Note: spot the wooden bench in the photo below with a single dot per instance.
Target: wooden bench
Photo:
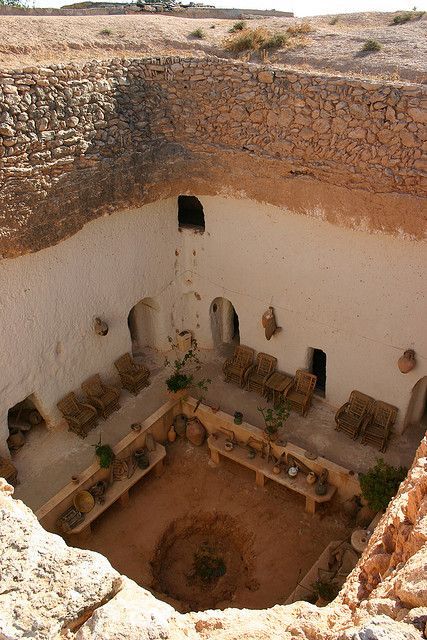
(264, 469)
(119, 490)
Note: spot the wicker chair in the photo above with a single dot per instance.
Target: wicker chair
(376, 430)
(300, 392)
(134, 376)
(235, 368)
(103, 397)
(81, 417)
(351, 417)
(257, 374)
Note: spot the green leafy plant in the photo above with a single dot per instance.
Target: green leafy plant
(105, 454)
(207, 566)
(328, 591)
(238, 26)
(371, 45)
(198, 33)
(106, 32)
(181, 378)
(275, 417)
(380, 484)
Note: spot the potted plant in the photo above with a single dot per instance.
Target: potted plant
(380, 484)
(182, 378)
(275, 418)
(105, 456)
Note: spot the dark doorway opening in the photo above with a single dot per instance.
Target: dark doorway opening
(190, 213)
(318, 367)
(224, 323)
(22, 419)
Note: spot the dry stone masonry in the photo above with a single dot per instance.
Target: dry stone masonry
(79, 141)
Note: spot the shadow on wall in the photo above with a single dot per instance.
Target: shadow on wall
(143, 321)
(224, 322)
(417, 407)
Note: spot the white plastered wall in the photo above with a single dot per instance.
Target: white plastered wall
(357, 296)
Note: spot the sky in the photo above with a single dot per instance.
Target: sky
(299, 7)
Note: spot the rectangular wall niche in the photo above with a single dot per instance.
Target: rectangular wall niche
(190, 213)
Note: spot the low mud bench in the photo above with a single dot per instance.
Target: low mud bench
(117, 491)
(264, 469)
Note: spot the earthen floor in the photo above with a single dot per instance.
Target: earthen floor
(49, 458)
(280, 541)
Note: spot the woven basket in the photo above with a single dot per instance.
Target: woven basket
(84, 501)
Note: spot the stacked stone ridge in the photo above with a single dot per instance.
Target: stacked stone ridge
(77, 141)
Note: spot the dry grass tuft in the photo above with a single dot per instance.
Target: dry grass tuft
(299, 29)
(261, 39)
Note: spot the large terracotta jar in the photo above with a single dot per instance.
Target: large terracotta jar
(196, 432)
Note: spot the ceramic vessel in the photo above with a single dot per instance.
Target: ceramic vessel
(195, 432)
(293, 472)
(171, 434)
(407, 362)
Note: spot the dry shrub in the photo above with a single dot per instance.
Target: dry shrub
(258, 39)
(247, 40)
(300, 29)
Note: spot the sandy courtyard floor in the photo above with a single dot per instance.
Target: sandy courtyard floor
(276, 541)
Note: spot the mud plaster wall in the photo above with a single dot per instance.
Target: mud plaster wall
(322, 280)
(78, 141)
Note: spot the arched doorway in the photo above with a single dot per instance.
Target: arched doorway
(416, 413)
(224, 322)
(143, 325)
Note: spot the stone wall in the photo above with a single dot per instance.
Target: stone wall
(49, 590)
(80, 141)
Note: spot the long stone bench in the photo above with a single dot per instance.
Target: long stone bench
(264, 469)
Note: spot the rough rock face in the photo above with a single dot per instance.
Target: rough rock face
(49, 590)
(80, 141)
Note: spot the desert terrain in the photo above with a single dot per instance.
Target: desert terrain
(331, 44)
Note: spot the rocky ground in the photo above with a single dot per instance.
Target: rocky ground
(333, 43)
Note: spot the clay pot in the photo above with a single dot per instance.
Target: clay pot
(293, 472)
(407, 362)
(195, 432)
(238, 417)
(276, 469)
(180, 424)
(228, 445)
(311, 477)
(171, 435)
(321, 488)
(142, 458)
(15, 441)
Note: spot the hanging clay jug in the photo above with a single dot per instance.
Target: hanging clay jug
(171, 434)
(269, 322)
(407, 362)
(180, 424)
(196, 432)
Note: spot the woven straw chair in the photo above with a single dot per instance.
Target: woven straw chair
(257, 374)
(134, 376)
(376, 430)
(81, 417)
(351, 417)
(235, 368)
(300, 392)
(103, 397)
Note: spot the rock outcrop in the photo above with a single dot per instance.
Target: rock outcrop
(49, 590)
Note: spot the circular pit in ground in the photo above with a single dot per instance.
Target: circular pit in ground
(201, 560)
